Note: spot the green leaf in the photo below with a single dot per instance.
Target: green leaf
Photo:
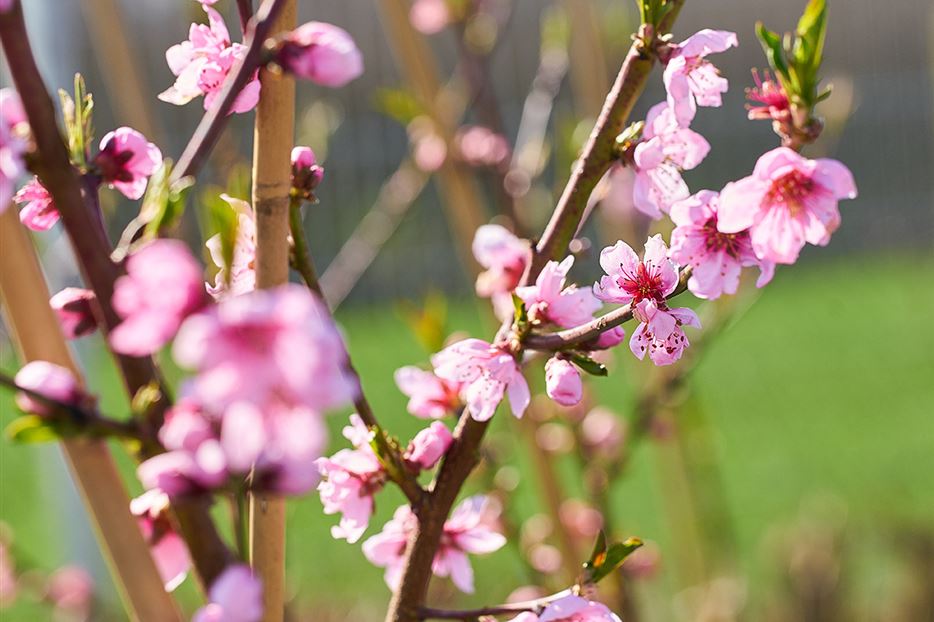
(76, 114)
(587, 364)
(221, 219)
(145, 399)
(32, 429)
(427, 320)
(399, 104)
(774, 51)
(605, 560)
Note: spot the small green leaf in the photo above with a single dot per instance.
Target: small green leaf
(774, 51)
(399, 104)
(605, 560)
(145, 399)
(32, 429)
(222, 220)
(427, 320)
(587, 364)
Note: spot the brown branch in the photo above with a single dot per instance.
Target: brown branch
(90, 245)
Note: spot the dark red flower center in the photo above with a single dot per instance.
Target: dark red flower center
(643, 284)
(790, 190)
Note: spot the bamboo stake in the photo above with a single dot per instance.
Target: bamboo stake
(462, 199)
(272, 145)
(38, 336)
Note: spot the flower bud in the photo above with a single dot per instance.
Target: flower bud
(306, 174)
(52, 381)
(429, 445)
(610, 339)
(322, 53)
(72, 305)
(563, 382)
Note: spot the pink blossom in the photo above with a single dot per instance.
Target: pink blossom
(126, 160)
(168, 549)
(666, 150)
(430, 397)
(609, 339)
(549, 301)
(563, 381)
(39, 212)
(235, 596)
(487, 372)
(468, 530)
(202, 63)
(645, 285)
(73, 306)
(570, 608)
(350, 478)
(429, 446)
(322, 53)
(306, 174)
(773, 102)
(14, 130)
(240, 276)
(690, 79)
(429, 16)
(70, 589)
(279, 343)
(49, 380)
(503, 255)
(161, 288)
(481, 146)
(786, 202)
(716, 257)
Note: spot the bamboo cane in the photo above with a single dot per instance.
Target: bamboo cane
(462, 199)
(38, 336)
(272, 145)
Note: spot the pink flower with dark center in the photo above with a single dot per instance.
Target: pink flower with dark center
(73, 306)
(716, 257)
(690, 79)
(235, 596)
(430, 397)
(468, 530)
(306, 174)
(161, 288)
(202, 63)
(322, 53)
(666, 150)
(168, 549)
(50, 380)
(14, 132)
(773, 102)
(240, 276)
(645, 286)
(549, 301)
(487, 372)
(570, 608)
(503, 255)
(786, 202)
(38, 212)
(429, 446)
(268, 345)
(563, 381)
(350, 478)
(126, 160)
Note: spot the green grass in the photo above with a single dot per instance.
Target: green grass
(825, 388)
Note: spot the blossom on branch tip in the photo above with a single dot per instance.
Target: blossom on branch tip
(14, 130)
(563, 381)
(488, 372)
(429, 446)
(161, 288)
(690, 79)
(322, 53)
(201, 65)
(468, 530)
(788, 201)
(350, 478)
(72, 305)
(549, 301)
(50, 380)
(430, 397)
(570, 608)
(645, 285)
(716, 257)
(306, 174)
(504, 257)
(126, 160)
(240, 276)
(235, 596)
(168, 549)
(38, 212)
(666, 149)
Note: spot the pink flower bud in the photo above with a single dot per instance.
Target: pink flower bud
(322, 53)
(563, 382)
(306, 174)
(611, 338)
(38, 213)
(126, 160)
(53, 381)
(72, 305)
(429, 445)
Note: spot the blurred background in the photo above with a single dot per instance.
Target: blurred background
(786, 474)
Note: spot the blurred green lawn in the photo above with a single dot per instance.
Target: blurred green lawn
(825, 386)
